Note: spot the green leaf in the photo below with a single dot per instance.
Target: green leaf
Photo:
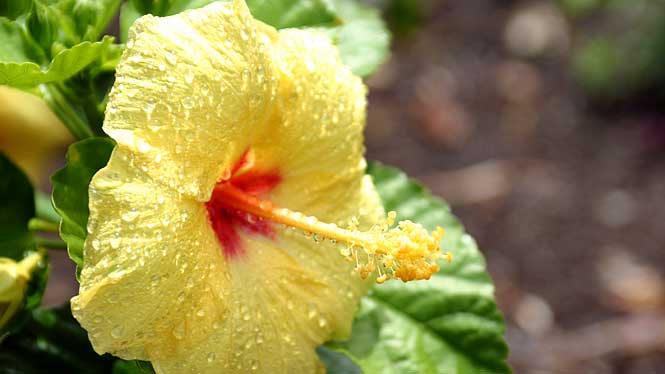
(132, 367)
(128, 14)
(65, 64)
(292, 13)
(337, 362)
(133, 9)
(362, 38)
(52, 341)
(17, 206)
(16, 46)
(70, 191)
(448, 324)
(91, 17)
(12, 9)
(44, 23)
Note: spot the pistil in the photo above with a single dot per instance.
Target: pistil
(406, 251)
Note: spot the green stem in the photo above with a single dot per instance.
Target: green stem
(38, 224)
(44, 208)
(50, 243)
(65, 112)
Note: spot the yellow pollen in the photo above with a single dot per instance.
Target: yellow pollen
(406, 251)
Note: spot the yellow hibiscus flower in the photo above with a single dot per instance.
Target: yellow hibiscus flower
(215, 229)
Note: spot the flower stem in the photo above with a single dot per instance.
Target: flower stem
(50, 243)
(38, 224)
(58, 103)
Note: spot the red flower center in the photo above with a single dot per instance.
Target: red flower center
(227, 221)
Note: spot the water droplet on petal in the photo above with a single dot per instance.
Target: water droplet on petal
(130, 215)
(312, 312)
(115, 242)
(179, 331)
(117, 331)
(211, 356)
(187, 103)
(171, 57)
(189, 76)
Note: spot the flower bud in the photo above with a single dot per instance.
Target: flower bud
(30, 134)
(14, 277)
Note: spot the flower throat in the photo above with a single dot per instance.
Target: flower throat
(405, 251)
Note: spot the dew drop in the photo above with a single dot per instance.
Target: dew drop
(323, 322)
(187, 103)
(245, 78)
(181, 297)
(312, 312)
(254, 365)
(171, 57)
(154, 280)
(309, 64)
(115, 242)
(130, 215)
(211, 356)
(201, 313)
(179, 331)
(117, 331)
(189, 76)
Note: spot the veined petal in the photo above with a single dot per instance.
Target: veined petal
(289, 296)
(315, 137)
(153, 278)
(191, 92)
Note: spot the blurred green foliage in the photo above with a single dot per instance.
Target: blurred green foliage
(620, 46)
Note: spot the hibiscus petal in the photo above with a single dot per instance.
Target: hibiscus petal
(315, 137)
(153, 276)
(191, 92)
(288, 297)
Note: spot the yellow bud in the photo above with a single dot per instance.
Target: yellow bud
(14, 277)
(30, 134)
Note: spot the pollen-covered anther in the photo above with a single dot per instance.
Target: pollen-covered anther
(406, 251)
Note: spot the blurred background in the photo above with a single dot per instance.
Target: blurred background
(542, 123)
